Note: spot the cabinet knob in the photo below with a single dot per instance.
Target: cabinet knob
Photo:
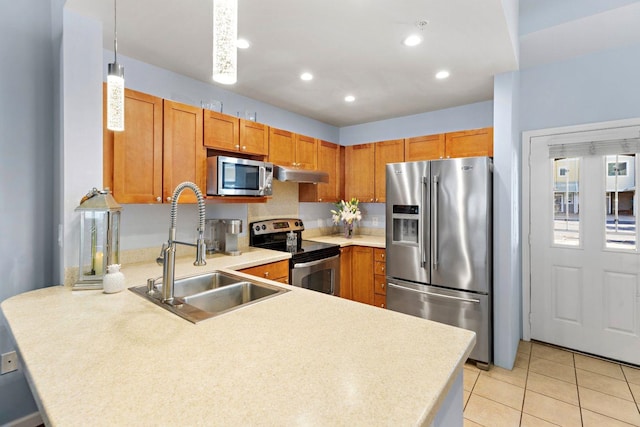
(371, 200)
(266, 274)
(319, 199)
(382, 256)
(158, 199)
(168, 199)
(382, 285)
(237, 145)
(383, 268)
(382, 305)
(244, 147)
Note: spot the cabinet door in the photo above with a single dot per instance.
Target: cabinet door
(254, 138)
(328, 161)
(359, 167)
(278, 271)
(184, 153)
(469, 143)
(306, 152)
(386, 152)
(282, 147)
(429, 147)
(345, 272)
(133, 158)
(362, 274)
(221, 131)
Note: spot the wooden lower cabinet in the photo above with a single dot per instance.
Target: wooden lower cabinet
(278, 271)
(345, 271)
(379, 278)
(362, 274)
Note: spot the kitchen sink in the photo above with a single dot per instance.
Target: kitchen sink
(201, 297)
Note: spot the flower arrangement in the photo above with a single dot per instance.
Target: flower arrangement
(348, 213)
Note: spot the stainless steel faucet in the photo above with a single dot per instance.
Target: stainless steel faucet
(169, 249)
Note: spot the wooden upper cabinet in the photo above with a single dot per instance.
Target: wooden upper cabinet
(359, 176)
(184, 154)
(228, 133)
(328, 161)
(306, 152)
(133, 158)
(221, 131)
(386, 152)
(254, 138)
(282, 149)
(429, 147)
(469, 143)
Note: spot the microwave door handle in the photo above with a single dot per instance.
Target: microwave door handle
(434, 232)
(261, 179)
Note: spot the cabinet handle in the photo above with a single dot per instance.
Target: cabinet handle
(158, 199)
(266, 274)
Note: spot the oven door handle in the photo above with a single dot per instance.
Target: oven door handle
(312, 263)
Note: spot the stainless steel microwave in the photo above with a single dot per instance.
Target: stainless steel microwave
(231, 176)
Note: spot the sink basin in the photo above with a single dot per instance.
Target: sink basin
(229, 296)
(207, 295)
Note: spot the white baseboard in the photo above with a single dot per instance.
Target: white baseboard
(31, 420)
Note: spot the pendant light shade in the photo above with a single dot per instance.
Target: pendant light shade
(115, 84)
(225, 34)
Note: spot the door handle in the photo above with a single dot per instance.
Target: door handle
(431, 294)
(434, 232)
(423, 252)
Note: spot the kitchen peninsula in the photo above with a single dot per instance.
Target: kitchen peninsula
(301, 358)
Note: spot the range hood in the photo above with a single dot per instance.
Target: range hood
(282, 173)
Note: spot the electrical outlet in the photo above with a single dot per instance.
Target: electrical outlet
(9, 362)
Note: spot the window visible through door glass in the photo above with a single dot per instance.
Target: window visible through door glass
(566, 201)
(620, 192)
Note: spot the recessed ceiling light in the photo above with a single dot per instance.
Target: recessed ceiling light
(412, 40)
(442, 74)
(349, 98)
(242, 44)
(306, 76)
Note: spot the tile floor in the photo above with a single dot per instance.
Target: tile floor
(550, 386)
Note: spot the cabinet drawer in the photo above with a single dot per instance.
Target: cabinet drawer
(379, 268)
(379, 254)
(380, 300)
(380, 285)
(272, 271)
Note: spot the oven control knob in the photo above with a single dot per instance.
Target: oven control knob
(264, 227)
(257, 228)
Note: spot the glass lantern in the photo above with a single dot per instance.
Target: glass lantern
(99, 237)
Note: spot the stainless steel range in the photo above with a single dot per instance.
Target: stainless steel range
(313, 265)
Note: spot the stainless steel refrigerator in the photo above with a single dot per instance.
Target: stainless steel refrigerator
(438, 240)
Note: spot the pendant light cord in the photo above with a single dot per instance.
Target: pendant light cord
(115, 31)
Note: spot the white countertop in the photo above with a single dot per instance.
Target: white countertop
(301, 358)
(357, 240)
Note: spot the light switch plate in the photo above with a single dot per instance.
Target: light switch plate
(9, 362)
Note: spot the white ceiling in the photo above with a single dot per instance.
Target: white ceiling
(350, 46)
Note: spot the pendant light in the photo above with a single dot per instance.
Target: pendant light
(115, 83)
(225, 34)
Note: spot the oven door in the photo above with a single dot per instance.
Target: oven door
(322, 275)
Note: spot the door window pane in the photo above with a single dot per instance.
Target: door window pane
(620, 196)
(566, 201)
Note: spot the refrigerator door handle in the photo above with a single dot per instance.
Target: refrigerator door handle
(431, 294)
(434, 229)
(423, 260)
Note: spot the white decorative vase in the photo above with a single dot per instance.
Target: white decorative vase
(113, 281)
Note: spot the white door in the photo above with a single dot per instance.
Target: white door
(584, 258)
